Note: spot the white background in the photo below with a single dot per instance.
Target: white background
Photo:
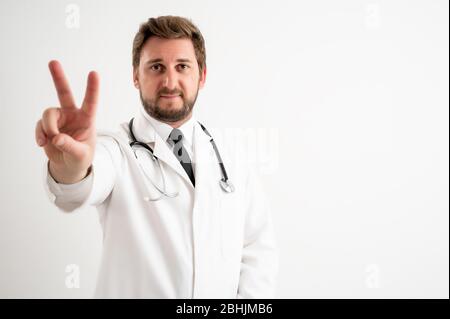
(350, 96)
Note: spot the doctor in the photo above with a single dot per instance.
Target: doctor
(181, 218)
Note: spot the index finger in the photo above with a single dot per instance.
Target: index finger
(62, 86)
(91, 97)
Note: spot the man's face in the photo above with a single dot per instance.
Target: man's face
(168, 78)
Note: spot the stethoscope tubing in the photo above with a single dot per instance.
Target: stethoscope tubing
(224, 183)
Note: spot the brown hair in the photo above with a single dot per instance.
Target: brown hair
(170, 27)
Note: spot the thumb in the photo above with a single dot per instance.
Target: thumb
(67, 144)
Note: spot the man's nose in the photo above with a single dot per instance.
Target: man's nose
(170, 80)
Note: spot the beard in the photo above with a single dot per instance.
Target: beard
(168, 114)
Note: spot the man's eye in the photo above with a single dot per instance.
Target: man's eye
(159, 67)
(156, 67)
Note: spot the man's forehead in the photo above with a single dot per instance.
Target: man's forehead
(158, 48)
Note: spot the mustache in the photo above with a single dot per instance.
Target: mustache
(166, 91)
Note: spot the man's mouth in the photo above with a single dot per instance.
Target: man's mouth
(169, 96)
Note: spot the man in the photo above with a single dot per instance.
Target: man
(169, 229)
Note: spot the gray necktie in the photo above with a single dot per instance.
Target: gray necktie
(176, 136)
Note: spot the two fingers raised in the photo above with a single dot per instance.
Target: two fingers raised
(47, 127)
(65, 96)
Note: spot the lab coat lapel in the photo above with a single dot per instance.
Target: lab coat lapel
(206, 215)
(145, 133)
(206, 165)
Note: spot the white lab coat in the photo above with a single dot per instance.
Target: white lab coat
(204, 243)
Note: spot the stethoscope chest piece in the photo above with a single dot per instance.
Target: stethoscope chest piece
(227, 186)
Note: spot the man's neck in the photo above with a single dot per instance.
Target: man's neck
(177, 124)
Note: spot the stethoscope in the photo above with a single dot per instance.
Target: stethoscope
(224, 182)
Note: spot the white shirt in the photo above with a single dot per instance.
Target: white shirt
(164, 130)
(203, 243)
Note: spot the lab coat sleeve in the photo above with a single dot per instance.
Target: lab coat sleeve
(95, 187)
(259, 262)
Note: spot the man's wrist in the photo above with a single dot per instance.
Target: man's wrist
(64, 177)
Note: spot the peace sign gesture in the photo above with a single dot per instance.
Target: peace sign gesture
(67, 133)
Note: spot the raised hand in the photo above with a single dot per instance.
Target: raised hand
(67, 133)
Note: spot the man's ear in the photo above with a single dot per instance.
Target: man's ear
(202, 78)
(136, 77)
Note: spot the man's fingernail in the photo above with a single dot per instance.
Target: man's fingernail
(40, 141)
